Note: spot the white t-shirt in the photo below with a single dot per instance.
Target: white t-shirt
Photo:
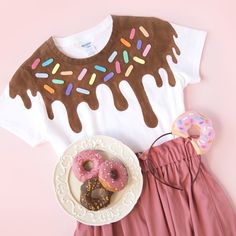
(124, 78)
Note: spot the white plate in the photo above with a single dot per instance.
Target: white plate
(68, 187)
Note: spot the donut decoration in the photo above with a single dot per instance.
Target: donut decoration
(100, 178)
(197, 127)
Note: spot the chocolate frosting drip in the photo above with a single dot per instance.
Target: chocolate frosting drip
(161, 38)
(120, 102)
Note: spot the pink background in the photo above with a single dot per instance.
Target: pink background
(28, 204)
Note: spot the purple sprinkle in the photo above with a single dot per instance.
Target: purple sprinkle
(199, 118)
(108, 76)
(68, 89)
(180, 122)
(139, 44)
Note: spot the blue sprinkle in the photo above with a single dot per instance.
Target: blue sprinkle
(100, 68)
(68, 89)
(47, 62)
(139, 44)
(84, 91)
(180, 122)
(112, 57)
(108, 76)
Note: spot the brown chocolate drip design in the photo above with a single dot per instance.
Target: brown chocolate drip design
(141, 47)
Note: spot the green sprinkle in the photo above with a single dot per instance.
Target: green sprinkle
(125, 56)
(58, 81)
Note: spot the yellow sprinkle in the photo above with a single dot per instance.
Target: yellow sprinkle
(125, 42)
(93, 77)
(55, 68)
(139, 60)
(144, 31)
(49, 89)
(128, 71)
(67, 72)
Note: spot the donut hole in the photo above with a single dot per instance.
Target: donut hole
(98, 193)
(194, 132)
(88, 165)
(114, 174)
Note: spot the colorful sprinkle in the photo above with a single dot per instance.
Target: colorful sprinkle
(55, 68)
(117, 65)
(41, 75)
(92, 79)
(112, 57)
(69, 72)
(47, 62)
(82, 74)
(100, 68)
(84, 91)
(139, 44)
(126, 56)
(198, 118)
(180, 122)
(69, 89)
(108, 76)
(144, 31)
(125, 42)
(35, 63)
(128, 71)
(146, 50)
(139, 60)
(58, 81)
(49, 89)
(132, 33)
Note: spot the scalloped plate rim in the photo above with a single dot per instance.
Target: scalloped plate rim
(126, 210)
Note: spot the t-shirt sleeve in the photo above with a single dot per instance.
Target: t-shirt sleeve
(191, 43)
(21, 113)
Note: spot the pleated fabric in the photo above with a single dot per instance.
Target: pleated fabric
(184, 199)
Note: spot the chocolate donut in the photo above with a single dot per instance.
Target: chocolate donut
(93, 195)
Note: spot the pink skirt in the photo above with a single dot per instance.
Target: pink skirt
(182, 200)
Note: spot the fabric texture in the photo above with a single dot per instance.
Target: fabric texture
(200, 208)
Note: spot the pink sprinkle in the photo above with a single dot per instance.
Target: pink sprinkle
(118, 70)
(82, 74)
(146, 50)
(35, 63)
(132, 33)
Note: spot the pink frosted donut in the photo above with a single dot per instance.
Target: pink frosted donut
(86, 165)
(196, 126)
(113, 175)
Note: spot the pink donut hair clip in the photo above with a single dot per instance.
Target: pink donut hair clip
(197, 127)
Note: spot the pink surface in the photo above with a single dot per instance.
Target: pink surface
(27, 201)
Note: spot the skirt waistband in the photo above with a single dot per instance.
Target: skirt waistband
(170, 152)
